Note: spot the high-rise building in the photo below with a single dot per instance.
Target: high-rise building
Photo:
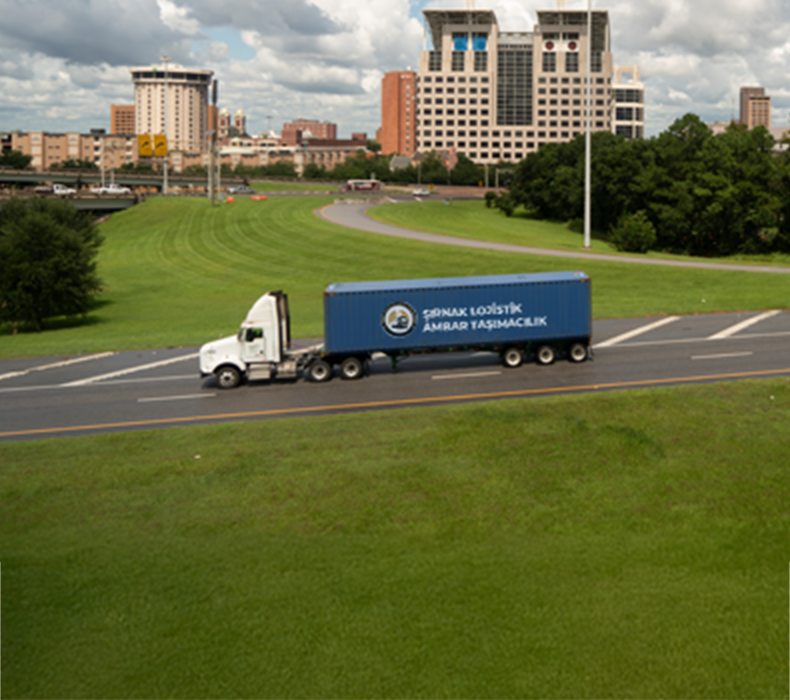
(628, 103)
(122, 119)
(300, 128)
(495, 95)
(398, 113)
(755, 107)
(172, 100)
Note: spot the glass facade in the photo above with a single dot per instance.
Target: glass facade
(514, 87)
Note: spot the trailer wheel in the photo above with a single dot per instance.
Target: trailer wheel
(319, 371)
(512, 357)
(577, 352)
(228, 377)
(546, 355)
(352, 368)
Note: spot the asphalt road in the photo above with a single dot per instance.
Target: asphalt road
(124, 391)
(353, 215)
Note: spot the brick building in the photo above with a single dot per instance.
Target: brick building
(398, 113)
(294, 132)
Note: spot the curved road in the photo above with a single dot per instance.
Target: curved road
(354, 215)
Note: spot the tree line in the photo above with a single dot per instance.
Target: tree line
(683, 191)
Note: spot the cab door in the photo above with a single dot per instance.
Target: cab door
(254, 349)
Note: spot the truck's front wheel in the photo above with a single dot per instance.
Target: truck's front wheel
(228, 377)
(319, 371)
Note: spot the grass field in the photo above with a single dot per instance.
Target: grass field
(180, 273)
(274, 186)
(464, 219)
(622, 545)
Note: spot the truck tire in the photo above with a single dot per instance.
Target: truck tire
(319, 371)
(228, 377)
(577, 352)
(352, 368)
(545, 355)
(512, 357)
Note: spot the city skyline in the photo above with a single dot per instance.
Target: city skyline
(61, 66)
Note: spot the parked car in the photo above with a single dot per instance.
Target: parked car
(240, 189)
(421, 192)
(112, 188)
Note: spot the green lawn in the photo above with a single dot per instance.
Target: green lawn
(620, 545)
(471, 219)
(178, 272)
(277, 186)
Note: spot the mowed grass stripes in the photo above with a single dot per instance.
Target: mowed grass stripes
(178, 272)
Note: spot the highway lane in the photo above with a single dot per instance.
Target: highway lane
(52, 397)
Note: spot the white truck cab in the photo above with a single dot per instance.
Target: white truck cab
(261, 348)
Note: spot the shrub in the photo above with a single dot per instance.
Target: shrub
(634, 233)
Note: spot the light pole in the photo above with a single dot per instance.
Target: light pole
(165, 60)
(587, 139)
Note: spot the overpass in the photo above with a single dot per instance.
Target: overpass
(122, 177)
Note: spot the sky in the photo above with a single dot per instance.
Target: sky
(63, 63)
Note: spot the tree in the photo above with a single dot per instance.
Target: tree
(14, 159)
(48, 255)
(74, 164)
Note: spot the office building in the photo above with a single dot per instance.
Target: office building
(628, 103)
(398, 113)
(498, 96)
(122, 119)
(755, 107)
(172, 100)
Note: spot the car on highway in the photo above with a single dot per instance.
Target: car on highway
(112, 188)
(421, 192)
(56, 189)
(240, 189)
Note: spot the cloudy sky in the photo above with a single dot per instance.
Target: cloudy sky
(63, 63)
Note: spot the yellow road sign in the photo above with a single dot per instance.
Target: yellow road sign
(160, 145)
(144, 147)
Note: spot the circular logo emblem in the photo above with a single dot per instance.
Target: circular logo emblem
(399, 319)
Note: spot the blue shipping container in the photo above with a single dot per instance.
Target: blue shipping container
(414, 315)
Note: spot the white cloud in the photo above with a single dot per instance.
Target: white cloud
(62, 64)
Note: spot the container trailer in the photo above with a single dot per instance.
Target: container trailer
(521, 317)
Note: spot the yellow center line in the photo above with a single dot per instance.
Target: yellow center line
(395, 402)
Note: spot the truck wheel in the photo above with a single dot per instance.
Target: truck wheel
(319, 371)
(351, 368)
(545, 355)
(512, 358)
(228, 377)
(577, 352)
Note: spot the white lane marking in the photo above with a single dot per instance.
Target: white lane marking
(722, 356)
(176, 398)
(131, 370)
(636, 332)
(467, 375)
(677, 341)
(138, 380)
(732, 330)
(55, 365)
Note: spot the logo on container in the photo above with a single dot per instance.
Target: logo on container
(399, 319)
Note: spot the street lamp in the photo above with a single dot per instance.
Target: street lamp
(165, 59)
(587, 139)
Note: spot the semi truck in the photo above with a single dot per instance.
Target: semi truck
(521, 317)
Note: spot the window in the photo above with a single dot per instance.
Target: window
(435, 61)
(549, 62)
